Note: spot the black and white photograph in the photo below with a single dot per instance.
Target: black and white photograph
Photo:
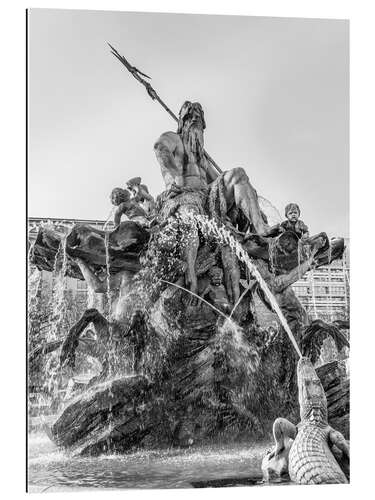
(188, 251)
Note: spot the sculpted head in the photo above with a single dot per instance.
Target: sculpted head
(292, 212)
(134, 184)
(216, 275)
(312, 398)
(191, 113)
(119, 195)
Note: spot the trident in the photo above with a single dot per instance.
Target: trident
(154, 96)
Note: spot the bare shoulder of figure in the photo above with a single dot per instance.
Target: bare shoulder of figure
(171, 140)
(123, 207)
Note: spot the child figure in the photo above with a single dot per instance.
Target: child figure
(127, 206)
(141, 195)
(292, 223)
(216, 290)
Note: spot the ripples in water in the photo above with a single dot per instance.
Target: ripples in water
(52, 469)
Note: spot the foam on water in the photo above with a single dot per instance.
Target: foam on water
(162, 468)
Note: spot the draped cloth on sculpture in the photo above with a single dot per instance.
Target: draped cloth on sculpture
(206, 201)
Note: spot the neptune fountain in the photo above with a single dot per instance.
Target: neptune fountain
(183, 358)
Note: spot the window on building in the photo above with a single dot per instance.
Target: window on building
(81, 285)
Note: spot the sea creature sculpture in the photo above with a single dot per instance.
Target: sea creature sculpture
(307, 451)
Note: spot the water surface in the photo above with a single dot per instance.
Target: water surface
(203, 466)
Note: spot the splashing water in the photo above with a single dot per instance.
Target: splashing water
(240, 299)
(34, 281)
(58, 295)
(272, 253)
(109, 218)
(311, 276)
(165, 333)
(225, 237)
(231, 339)
(108, 276)
(52, 368)
(241, 354)
(112, 350)
(198, 297)
(271, 212)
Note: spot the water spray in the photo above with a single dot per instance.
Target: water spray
(226, 238)
(199, 298)
(109, 218)
(239, 300)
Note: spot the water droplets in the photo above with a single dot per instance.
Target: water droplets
(225, 237)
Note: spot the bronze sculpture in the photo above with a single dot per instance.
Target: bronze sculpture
(188, 359)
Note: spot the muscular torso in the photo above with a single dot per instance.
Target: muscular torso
(177, 166)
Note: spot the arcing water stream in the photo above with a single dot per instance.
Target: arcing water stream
(225, 237)
(109, 219)
(271, 212)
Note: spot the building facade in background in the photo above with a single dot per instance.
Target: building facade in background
(325, 292)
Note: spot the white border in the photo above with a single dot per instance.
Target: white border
(12, 34)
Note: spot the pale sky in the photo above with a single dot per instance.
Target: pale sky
(275, 94)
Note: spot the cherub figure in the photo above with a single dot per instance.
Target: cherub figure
(141, 195)
(292, 223)
(215, 290)
(127, 206)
